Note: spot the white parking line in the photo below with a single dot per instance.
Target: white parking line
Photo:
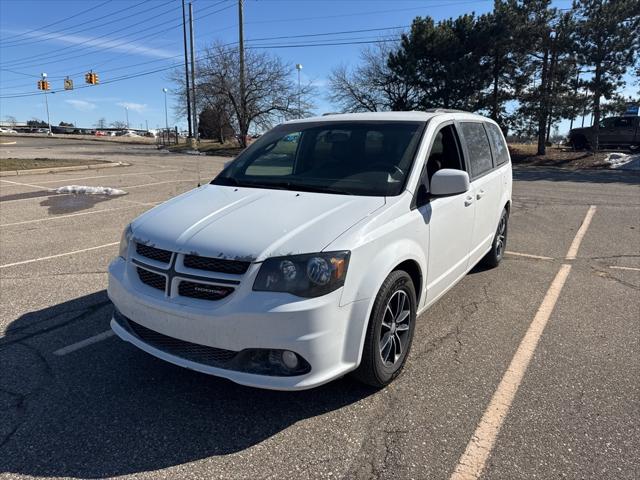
(64, 180)
(24, 262)
(84, 343)
(473, 460)
(528, 255)
(105, 210)
(625, 268)
(120, 186)
(160, 183)
(40, 187)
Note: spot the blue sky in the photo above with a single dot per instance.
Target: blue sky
(119, 38)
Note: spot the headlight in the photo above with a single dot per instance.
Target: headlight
(124, 241)
(309, 275)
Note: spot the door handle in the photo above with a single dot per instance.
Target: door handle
(480, 194)
(468, 201)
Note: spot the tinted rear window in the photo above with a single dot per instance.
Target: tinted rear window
(478, 147)
(497, 143)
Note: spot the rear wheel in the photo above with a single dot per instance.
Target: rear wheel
(494, 257)
(390, 331)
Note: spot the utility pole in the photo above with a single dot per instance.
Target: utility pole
(299, 67)
(126, 112)
(46, 104)
(186, 67)
(243, 103)
(193, 75)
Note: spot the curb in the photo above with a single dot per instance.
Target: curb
(33, 171)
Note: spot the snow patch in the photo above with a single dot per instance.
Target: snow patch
(623, 161)
(84, 190)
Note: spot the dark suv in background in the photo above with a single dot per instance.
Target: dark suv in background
(614, 132)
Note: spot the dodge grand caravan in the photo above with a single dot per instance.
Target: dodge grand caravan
(312, 253)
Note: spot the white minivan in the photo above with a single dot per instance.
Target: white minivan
(312, 253)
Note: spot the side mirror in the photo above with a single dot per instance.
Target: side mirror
(449, 182)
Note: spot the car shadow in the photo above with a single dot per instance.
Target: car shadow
(70, 203)
(110, 409)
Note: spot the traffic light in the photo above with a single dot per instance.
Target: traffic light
(43, 85)
(91, 78)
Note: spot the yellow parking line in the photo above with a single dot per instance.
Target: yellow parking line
(473, 460)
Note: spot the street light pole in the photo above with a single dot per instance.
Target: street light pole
(299, 67)
(166, 117)
(126, 111)
(46, 104)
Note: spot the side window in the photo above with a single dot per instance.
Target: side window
(276, 159)
(445, 151)
(623, 122)
(498, 146)
(607, 123)
(477, 143)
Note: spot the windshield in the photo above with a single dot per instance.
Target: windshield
(349, 158)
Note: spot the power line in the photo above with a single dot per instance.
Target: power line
(177, 65)
(108, 44)
(47, 55)
(65, 19)
(336, 41)
(65, 31)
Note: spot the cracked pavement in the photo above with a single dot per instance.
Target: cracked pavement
(110, 410)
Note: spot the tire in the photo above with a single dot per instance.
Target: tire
(579, 143)
(380, 366)
(499, 244)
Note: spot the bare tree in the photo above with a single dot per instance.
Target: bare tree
(271, 94)
(372, 85)
(11, 120)
(119, 124)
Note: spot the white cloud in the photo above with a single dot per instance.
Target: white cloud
(81, 105)
(118, 45)
(136, 107)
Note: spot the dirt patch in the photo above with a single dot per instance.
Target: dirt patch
(523, 154)
(7, 164)
(208, 147)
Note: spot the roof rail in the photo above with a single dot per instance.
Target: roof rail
(444, 110)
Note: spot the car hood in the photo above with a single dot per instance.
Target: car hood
(581, 130)
(250, 224)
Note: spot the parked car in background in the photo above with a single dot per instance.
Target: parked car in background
(7, 130)
(313, 252)
(614, 132)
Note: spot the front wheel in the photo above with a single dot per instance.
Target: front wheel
(390, 331)
(494, 257)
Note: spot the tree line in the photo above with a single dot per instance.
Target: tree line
(526, 64)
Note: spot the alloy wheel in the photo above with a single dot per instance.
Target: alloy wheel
(394, 334)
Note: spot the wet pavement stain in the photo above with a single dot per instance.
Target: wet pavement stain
(70, 203)
(25, 195)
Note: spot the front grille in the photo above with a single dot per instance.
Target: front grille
(152, 279)
(203, 290)
(153, 253)
(216, 357)
(236, 267)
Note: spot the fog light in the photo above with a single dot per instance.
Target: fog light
(289, 359)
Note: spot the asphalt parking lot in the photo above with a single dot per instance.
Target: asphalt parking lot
(531, 368)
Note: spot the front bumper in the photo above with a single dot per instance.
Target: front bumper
(328, 336)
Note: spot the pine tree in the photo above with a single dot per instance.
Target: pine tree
(606, 35)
